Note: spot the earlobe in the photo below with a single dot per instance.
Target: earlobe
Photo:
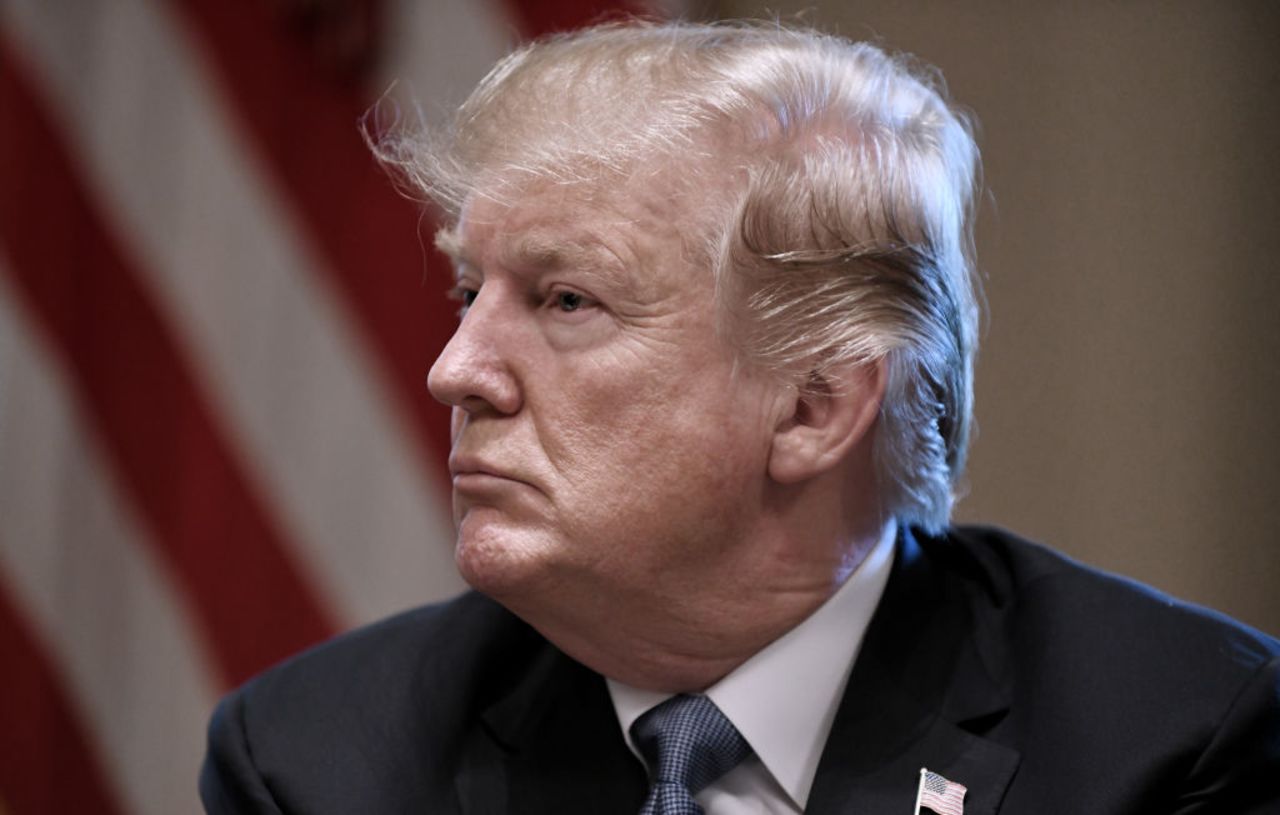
(825, 420)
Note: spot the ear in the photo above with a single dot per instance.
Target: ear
(824, 421)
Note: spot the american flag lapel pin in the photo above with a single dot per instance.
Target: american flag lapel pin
(939, 795)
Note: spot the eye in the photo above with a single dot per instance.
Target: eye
(568, 300)
(463, 294)
(563, 300)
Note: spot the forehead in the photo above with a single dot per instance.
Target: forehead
(632, 234)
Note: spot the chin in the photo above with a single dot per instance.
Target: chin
(499, 560)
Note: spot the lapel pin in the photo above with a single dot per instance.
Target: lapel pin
(939, 795)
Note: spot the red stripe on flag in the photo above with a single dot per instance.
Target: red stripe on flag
(538, 17)
(46, 764)
(165, 446)
(302, 109)
(303, 112)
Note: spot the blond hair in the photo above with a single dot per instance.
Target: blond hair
(840, 232)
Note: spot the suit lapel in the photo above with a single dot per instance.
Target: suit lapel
(930, 679)
(552, 745)
(929, 682)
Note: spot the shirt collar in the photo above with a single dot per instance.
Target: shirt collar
(784, 699)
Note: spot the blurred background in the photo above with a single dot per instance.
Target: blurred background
(216, 317)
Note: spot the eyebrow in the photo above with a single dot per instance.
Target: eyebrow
(543, 253)
(536, 252)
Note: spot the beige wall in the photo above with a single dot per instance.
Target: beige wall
(1131, 365)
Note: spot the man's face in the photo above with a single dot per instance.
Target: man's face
(604, 449)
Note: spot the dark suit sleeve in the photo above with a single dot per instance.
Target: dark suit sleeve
(229, 782)
(1239, 772)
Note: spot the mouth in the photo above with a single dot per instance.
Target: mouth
(470, 473)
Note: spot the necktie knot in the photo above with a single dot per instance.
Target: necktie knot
(689, 743)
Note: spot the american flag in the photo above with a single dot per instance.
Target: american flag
(216, 319)
(937, 793)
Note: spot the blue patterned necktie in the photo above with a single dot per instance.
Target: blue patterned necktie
(688, 743)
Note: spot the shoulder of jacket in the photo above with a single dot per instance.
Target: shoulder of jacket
(1075, 600)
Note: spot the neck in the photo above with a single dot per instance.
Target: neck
(684, 635)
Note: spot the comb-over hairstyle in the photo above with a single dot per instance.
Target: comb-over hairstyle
(835, 187)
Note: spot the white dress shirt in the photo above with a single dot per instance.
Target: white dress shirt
(784, 699)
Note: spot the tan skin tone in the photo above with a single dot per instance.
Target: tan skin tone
(621, 481)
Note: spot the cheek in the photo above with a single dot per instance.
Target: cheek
(650, 425)
(634, 424)
(678, 452)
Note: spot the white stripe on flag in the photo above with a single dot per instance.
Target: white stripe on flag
(278, 353)
(436, 52)
(81, 571)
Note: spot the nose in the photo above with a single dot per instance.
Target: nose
(474, 372)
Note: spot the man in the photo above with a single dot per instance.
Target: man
(711, 394)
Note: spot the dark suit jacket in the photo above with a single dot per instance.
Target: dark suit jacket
(1042, 686)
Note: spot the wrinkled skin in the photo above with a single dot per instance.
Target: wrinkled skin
(610, 452)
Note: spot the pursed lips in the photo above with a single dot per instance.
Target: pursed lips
(469, 469)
